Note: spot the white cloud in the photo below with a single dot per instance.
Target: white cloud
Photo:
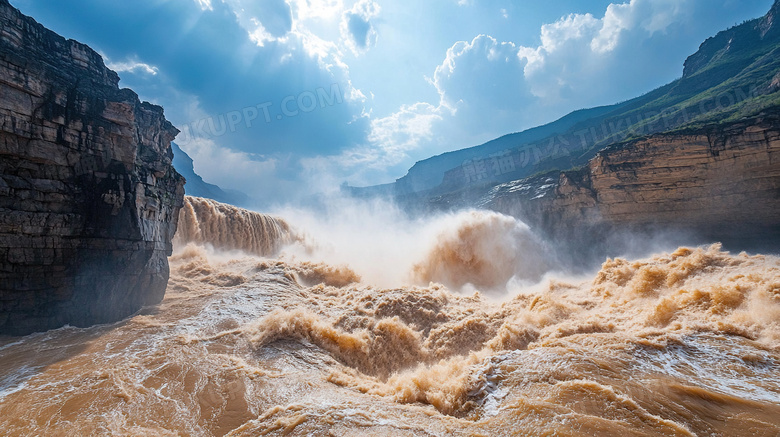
(476, 78)
(650, 16)
(327, 53)
(260, 36)
(583, 60)
(264, 21)
(231, 169)
(357, 30)
(567, 29)
(317, 9)
(488, 87)
(290, 25)
(400, 132)
(480, 73)
(131, 65)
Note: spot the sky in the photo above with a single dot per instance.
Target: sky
(284, 98)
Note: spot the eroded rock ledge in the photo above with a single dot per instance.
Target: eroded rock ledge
(89, 200)
(720, 182)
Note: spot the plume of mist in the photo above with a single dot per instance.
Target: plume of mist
(389, 248)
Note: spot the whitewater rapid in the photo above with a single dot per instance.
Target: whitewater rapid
(257, 336)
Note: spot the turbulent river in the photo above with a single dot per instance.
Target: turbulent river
(461, 327)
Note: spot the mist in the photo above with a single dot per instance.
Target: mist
(465, 250)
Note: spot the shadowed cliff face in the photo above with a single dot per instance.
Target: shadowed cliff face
(88, 196)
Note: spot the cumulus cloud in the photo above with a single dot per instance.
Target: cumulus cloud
(488, 87)
(480, 90)
(357, 30)
(483, 73)
(214, 59)
(585, 59)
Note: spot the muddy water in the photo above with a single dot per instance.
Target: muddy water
(683, 343)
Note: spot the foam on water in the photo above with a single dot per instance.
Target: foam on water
(680, 343)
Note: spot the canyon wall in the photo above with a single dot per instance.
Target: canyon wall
(733, 75)
(89, 200)
(720, 182)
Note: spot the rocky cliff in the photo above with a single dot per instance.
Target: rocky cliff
(735, 74)
(89, 199)
(719, 182)
(699, 158)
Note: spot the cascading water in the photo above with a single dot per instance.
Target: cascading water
(682, 343)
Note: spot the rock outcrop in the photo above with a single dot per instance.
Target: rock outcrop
(89, 199)
(733, 75)
(720, 182)
(698, 158)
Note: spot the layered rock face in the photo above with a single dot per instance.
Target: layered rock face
(721, 182)
(733, 75)
(89, 200)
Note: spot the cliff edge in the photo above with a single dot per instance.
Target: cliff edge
(734, 75)
(720, 182)
(89, 200)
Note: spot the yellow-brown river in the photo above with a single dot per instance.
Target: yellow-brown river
(479, 336)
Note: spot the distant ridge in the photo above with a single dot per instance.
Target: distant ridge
(197, 187)
(733, 75)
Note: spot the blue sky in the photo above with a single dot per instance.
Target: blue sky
(279, 98)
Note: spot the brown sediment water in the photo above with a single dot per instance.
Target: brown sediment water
(206, 222)
(681, 343)
(484, 249)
